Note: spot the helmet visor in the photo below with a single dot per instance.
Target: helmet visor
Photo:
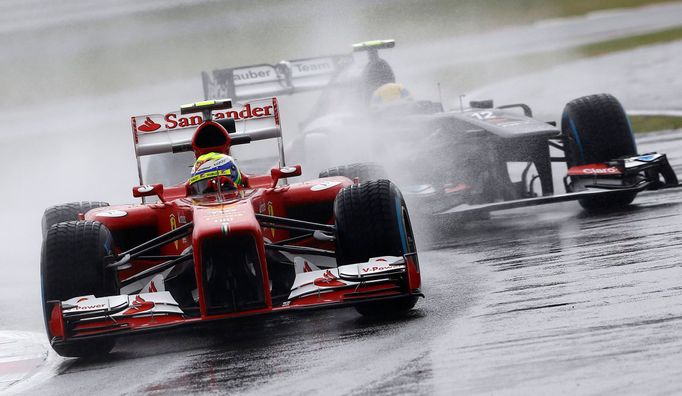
(212, 185)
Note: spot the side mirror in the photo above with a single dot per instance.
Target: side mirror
(149, 190)
(283, 173)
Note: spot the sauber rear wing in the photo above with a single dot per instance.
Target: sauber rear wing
(283, 78)
(172, 132)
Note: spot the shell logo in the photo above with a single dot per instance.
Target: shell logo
(174, 225)
(271, 212)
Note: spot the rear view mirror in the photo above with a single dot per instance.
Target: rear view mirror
(149, 190)
(283, 173)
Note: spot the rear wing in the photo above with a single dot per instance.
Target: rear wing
(172, 132)
(283, 78)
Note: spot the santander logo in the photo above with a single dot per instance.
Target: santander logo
(174, 120)
(148, 126)
(169, 121)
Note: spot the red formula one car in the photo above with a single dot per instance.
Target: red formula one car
(265, 247)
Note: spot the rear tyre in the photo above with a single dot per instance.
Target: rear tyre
(67, 212)
(72, 264)
(598, 130)
(372, 220)
(364, 171)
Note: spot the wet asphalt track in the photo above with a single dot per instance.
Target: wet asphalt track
(540, 300)
(537, 300)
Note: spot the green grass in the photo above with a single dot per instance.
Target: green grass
(472, 75)
(485, 14)
(628, 43)
(644, 124)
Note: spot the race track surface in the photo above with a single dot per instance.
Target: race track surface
(537, 300)
(540, 301)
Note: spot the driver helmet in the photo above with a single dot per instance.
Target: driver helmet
(391, 93)
(213, 172)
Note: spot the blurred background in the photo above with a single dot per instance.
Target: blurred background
(73, 72)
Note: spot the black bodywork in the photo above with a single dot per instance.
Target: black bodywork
(445, 161)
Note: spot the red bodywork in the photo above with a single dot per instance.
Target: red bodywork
(234, 217)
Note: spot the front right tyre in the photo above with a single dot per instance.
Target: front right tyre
(598, 130)
(67, 212)
(72, 265)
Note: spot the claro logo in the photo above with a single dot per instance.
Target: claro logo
(601, 171)
(175, 120)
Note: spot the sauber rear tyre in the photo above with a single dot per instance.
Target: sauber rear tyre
(598, 130)
(67, 212)
(364, 171)
(371, 221)
(72, 264)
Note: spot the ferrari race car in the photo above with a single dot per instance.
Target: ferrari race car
(466, 161)
(182, 257)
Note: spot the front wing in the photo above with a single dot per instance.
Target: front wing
(88, 317)
(625, 175)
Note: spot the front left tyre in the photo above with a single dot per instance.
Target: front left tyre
(372, 220)
(363, 171)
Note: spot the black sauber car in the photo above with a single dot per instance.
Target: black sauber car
(471, 160)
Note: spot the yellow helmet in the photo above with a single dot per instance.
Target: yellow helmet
(390, 93)
(212, 168)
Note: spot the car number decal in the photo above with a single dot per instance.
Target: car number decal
(483, 115)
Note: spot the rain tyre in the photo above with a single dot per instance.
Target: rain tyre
(364, 171)
(371, 221)
(598, 130)
(72, 264)
(67, 212)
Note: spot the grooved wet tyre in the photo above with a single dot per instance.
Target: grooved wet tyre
(72, 264)
(372, 220)
(67, 212)
(598, 130)
(363, 171)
